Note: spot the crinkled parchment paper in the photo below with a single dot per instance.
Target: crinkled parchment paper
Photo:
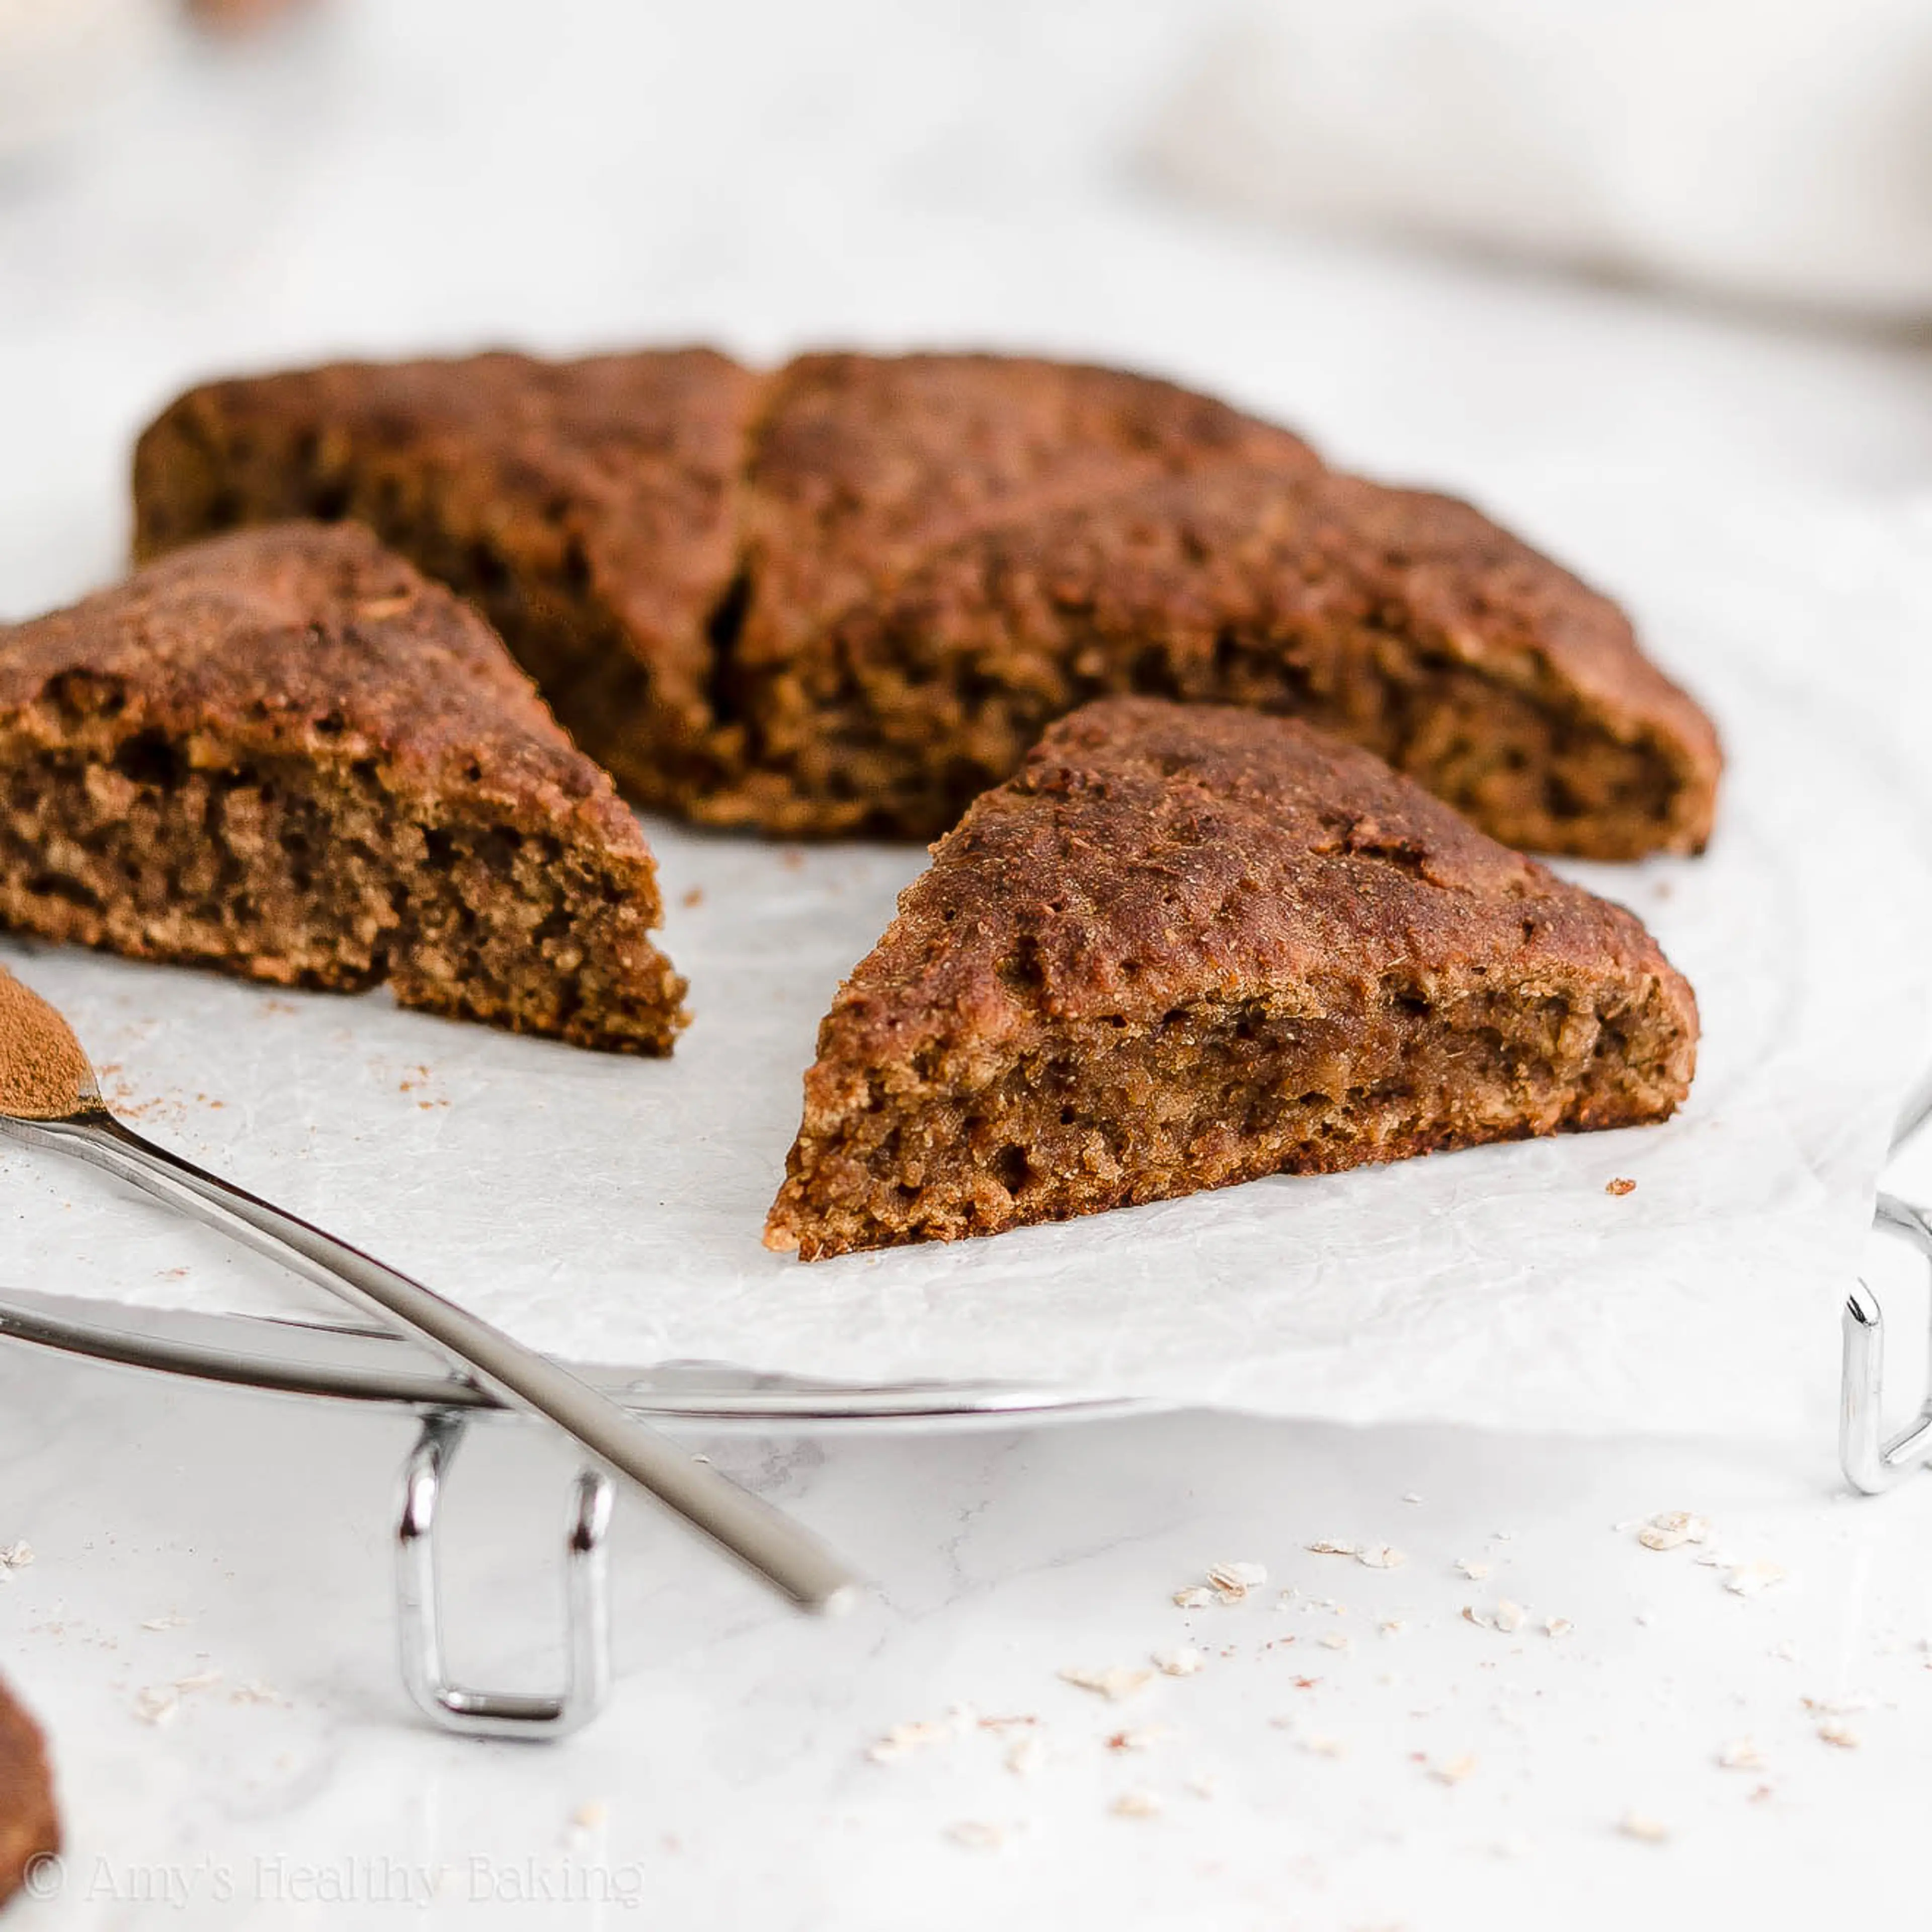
(611, 1209)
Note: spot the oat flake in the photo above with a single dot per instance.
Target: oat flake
(1115, 1683)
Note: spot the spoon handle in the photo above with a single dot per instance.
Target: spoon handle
(766, 1541)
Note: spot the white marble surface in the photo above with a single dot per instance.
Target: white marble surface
(438, 172)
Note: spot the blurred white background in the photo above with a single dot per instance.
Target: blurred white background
(381, 174)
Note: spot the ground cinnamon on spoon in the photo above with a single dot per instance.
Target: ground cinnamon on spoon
(43, 1074)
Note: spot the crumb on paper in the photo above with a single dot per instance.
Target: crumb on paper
(1183, 1661)
(902, 1740)
(254, 1692)
(201, 1680)
(1330, 1545)
(1137, 1804)
(1472, 1568)
(1335, 1640)
(977, 1834)
(1193, 1597)
(157, 1703)
(1669, 1527)
(588, 1817)
(1380, 1556)
(1116, 1683)
(1231, 1581)
(1741, 1754)
(1557, 1626)
(1026, 1754)
(1410, 1496)
(1621, 1185)
(171, 1621)
(1753, 1580)
(1322, 1745)
(1839, 1707)
(1204, 1784)
(1452, 1771)
(1786, 1652)
(1640, 1825)
(1505, 1616)
(1646, 1618)
(1143, 1739)
(1392, 1626)
(1836, 1731)
(694, 896)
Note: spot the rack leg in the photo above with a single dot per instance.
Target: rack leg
(419, 1618)
(1869, 1462)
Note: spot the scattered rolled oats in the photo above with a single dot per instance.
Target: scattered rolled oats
(1638, 1825)
(1753, 1580)
(1452, 1771)
(1115, 1683)
(1507, 1617)
(1330, 1545)
(1557, 1626)
(1137, 1804)
(1143, 1738)
(201, 1681)
(16, 1555)
(1237, 1576)
(1836, 1731)
(1335, 1640)
(1741, 1754)
(1204, 1784)
(1471, 1568)
(904, 1739)
(1670, 1527)
(1410, 1496)
(1026, 1754)
(157, 1703)
(977, 1834)
(1182, 1661)
(1391, 1627)
(167, 1623)
(1323, 1745)
(1195, 1596)
(1380, 1556)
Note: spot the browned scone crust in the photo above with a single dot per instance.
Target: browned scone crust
(285, 754)
(1188, 946)
(845, 597)
(29, 1821)
(590, 509)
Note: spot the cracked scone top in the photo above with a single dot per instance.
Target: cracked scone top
(845, 595)
(1187, 946)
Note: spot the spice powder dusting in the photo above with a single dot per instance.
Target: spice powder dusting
(43, 1074)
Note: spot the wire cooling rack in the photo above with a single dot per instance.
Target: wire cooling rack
(331, 1361)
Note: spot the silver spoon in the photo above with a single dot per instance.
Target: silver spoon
(50, 1097)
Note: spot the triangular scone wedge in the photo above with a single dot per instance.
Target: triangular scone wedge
(1188, 946)
(284, 754)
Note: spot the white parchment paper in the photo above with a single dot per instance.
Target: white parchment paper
(611, 1209)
